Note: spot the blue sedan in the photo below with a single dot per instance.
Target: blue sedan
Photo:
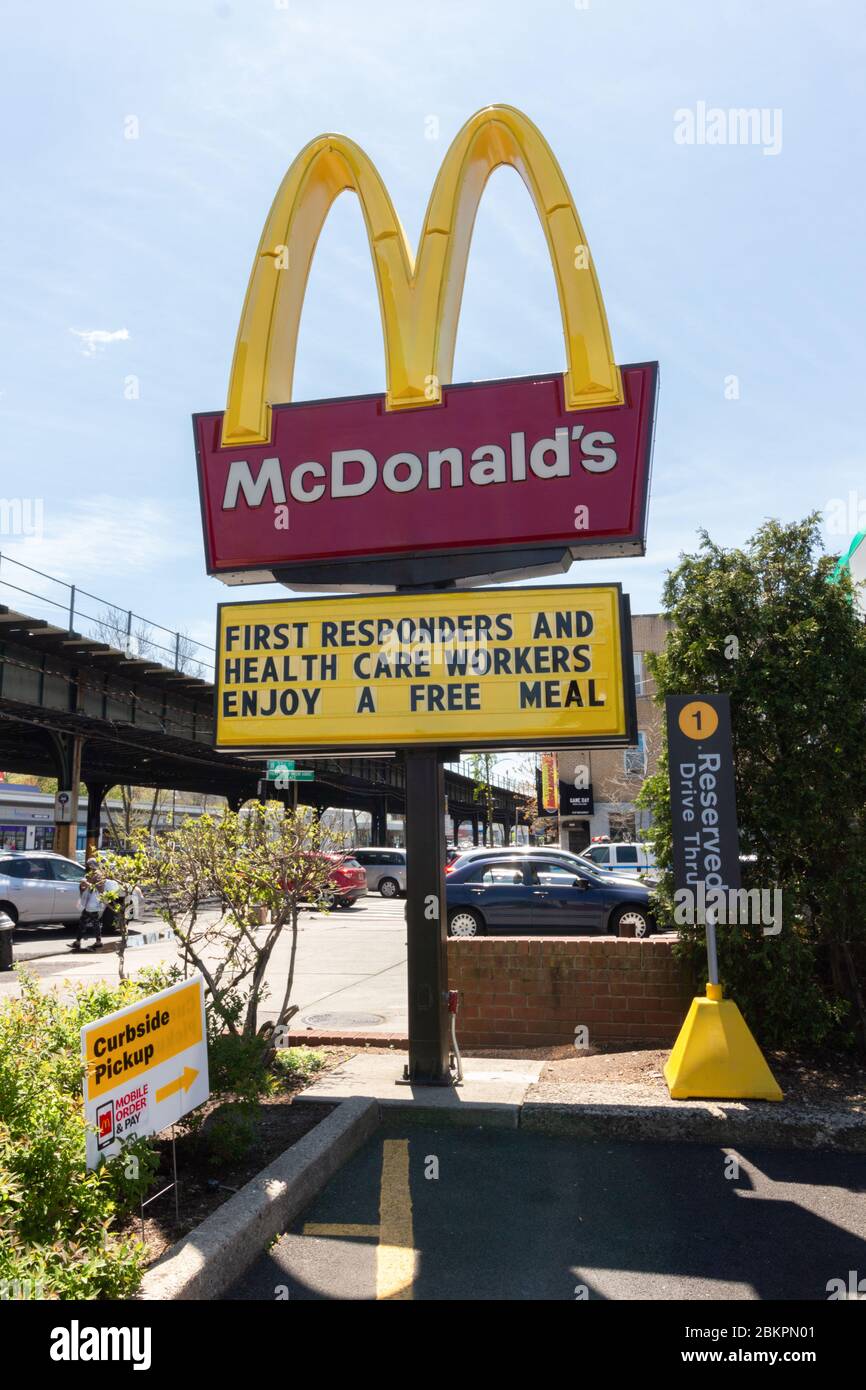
(527, 895)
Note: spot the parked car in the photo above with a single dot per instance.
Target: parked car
(349, 880)
(7, 927)
(385, 868)
(538, 893)
(621, 857)
(39, 889)
(575, 862)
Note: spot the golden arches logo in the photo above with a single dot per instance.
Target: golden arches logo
(419, 298)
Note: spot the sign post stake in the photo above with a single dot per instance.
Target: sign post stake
(426, 919)
(172, 1186)
(712, 954)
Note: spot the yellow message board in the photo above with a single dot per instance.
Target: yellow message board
(472, 669)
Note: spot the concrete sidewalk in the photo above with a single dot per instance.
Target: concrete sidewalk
(508, 1093)
(492, 1092)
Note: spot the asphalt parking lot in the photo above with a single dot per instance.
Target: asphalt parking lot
(475, 1214)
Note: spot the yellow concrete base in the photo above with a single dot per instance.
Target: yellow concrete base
(716, 1057)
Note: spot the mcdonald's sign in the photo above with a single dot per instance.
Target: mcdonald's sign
(430, 482)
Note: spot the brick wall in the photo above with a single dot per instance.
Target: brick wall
(531, 991)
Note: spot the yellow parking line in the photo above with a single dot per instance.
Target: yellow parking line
(314, 1228)
(395, 1254)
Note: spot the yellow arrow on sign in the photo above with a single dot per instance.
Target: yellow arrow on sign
(180, 1083)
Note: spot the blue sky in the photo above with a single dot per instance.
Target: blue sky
(719, 261)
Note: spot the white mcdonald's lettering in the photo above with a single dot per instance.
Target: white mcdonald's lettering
(356, 472)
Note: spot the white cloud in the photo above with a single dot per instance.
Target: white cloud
(95, 339)
(85, 540)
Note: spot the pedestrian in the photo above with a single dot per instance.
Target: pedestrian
(113, 904)
(91, 905)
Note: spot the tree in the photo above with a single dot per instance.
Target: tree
(624, 784)
(135, 812)
(764, 624)
(24, 779)
(539, 824)
(257, 862)
(481, 769)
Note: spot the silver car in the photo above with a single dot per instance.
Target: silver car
(39, 889)
(386, 869)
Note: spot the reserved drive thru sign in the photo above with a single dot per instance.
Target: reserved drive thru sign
(144, 1067)
(480, 668)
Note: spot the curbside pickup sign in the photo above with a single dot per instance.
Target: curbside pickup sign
(144, 1067)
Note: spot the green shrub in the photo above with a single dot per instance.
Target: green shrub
(56, 1216)
(298, 1061)
(238, 1072)
(763, 624)
(228, 1132)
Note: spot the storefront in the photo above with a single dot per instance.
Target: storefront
(27, 819)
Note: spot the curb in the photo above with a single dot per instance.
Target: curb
(696, 1122)
(219, 1251)
(147, 938)
(312, 1038)
(483, 1114)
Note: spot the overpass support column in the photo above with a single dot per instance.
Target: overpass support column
(95, 797)
(379, 824)
(67, 750)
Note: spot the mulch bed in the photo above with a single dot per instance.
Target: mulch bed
(822, 1078)
(282, 1121)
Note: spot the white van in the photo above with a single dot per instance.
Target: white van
(622, 857)
(386, 869)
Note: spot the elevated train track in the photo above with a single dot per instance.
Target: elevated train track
(83, 710)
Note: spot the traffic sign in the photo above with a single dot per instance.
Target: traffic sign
(63, 808)
(144, 1067)
(278, 767)
(715, 1055)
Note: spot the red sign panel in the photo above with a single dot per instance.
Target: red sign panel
(496, 467)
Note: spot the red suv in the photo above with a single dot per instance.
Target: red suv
(349, 879)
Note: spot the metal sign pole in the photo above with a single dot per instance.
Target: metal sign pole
(712, 958)
(426, 919)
